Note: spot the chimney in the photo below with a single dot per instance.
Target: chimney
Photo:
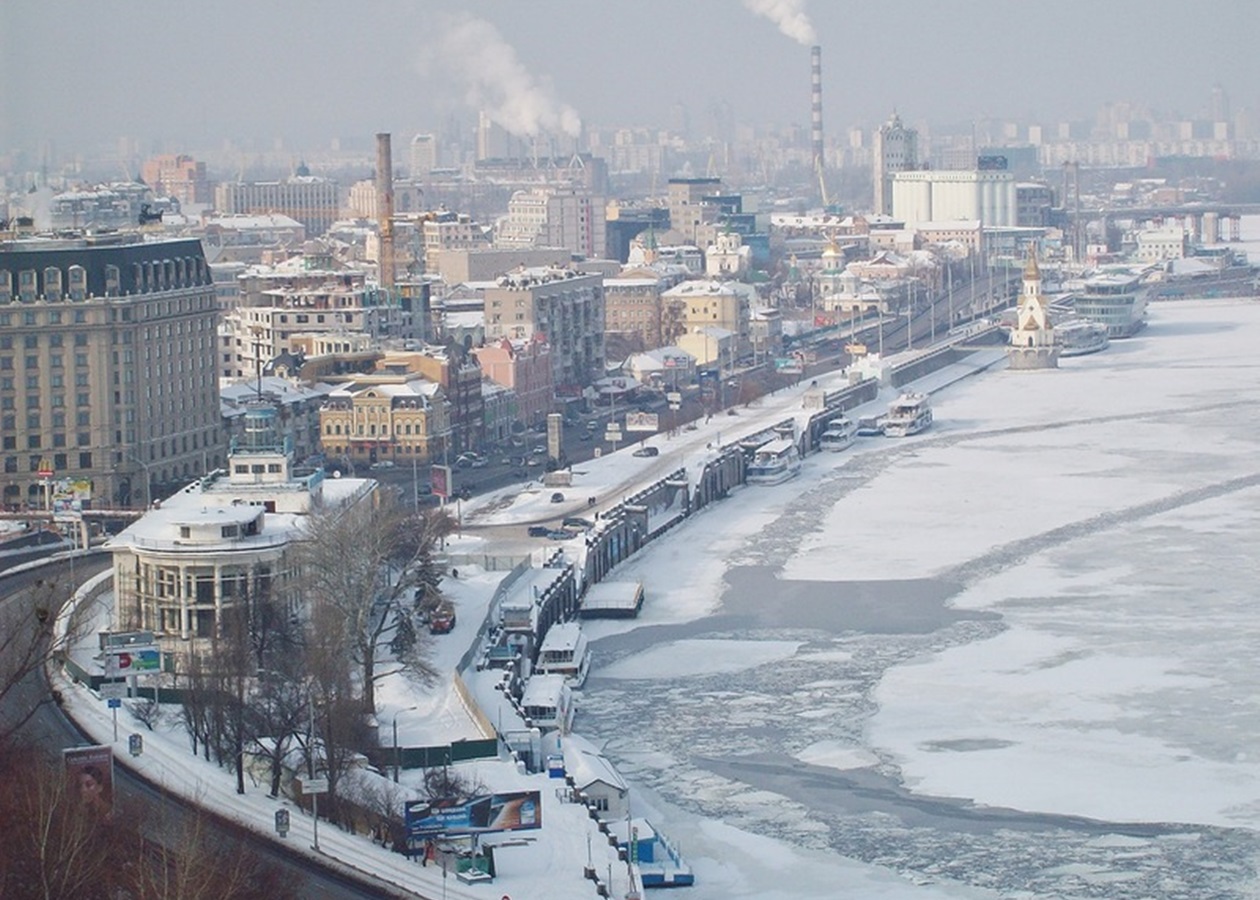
(816, 132)
(385, 209)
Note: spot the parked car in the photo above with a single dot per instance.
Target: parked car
(539, 450)
(480, 462)
(539, 530)
(557, 497)
(647, 451)
(383, 464)
(577, 522)
(561, 534)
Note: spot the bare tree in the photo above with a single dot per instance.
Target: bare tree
(52, 846)
(26, 642)
(364, 562)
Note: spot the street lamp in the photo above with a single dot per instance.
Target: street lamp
(148, 477)
(397, 750)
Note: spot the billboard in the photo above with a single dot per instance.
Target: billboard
(511, 811)
(641, 421)
(132, 661)
(440, 481)
(90, 772)
(555, 435)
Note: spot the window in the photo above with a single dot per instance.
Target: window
(85, 460)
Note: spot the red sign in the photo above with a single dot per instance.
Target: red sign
(440, 480)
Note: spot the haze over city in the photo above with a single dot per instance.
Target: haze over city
(186, 76)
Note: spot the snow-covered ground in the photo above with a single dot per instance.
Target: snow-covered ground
(1010, 657)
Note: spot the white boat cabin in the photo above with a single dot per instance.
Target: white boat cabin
(774, 462)
(548, 703)
(566, 652)
(840, 435)
(909, 414)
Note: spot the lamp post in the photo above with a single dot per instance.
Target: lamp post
(397, 749)
(148, 477)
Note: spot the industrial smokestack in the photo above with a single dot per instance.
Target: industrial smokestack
(385, 208)
(816, 132)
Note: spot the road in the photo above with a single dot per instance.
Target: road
(167, 818)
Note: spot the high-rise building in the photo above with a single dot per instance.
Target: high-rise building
(178, 176)
(108, 389)
(563, 307)
(555, 217)
(424, 155)
(896, 150)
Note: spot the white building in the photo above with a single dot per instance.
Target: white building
(727, 257)
(945, 196)
(223, 540)
(1033, 344)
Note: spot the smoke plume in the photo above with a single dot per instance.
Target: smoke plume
(789, 16)
(471, 52)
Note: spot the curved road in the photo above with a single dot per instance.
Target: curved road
(50, 728)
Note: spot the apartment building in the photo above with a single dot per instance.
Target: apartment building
(108, 389)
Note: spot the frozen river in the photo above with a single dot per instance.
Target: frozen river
(1014, 656)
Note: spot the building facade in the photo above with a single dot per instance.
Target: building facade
(942, 196)
(178, 176)
(896, 149)
(562, 307)
(386, 417)
(221, 541)
(313, 201)
(107, 369)
(524, 367)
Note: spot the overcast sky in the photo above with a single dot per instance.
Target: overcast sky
(183, 75)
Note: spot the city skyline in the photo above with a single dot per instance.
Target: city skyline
(305, 75)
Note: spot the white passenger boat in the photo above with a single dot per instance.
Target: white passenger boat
(565, 652)
(774, 462)
(1076, 337)
(548, 703)
(840, 435)
(909, 414)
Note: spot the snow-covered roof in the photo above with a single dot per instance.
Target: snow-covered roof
(586, 765)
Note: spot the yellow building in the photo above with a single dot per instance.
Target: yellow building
(386, 417)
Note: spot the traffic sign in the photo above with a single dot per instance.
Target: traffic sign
(113, 690)
(314, 785)
(114, 702)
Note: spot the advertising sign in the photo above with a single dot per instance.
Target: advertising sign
(132, 661)
(440, 481)
(90, 771)
(512, 811)
(555, 435)
(641, 421)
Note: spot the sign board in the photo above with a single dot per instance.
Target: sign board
(440, 481)
(641, 421)
(613, 435)
(314, 785)
(114, 702)
(135, 744)
(45, 468)
(126, 639)
(282, 822)
(90, 771)
(510, 811)
(113, 690)
(855, 349)
(132, 661)
(555, 435)
(673, 397)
